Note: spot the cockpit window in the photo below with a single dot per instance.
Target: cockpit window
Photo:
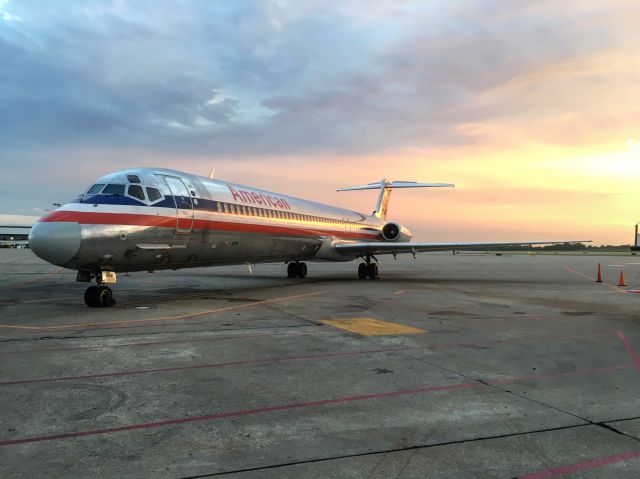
(153, 194)
(95, 189)
(116, 190)
(133, 178)
(136, 191)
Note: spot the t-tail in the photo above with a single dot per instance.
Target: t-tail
(385, 188)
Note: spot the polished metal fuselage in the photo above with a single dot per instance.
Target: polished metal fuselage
(192, 228)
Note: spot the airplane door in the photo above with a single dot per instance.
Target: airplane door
(183, 202)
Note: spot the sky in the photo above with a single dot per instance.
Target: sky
(532, 108)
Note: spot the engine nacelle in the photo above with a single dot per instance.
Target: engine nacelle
(395, 232)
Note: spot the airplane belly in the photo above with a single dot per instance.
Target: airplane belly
(132, 248)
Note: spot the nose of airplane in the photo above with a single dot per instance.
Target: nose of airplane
(55, 242)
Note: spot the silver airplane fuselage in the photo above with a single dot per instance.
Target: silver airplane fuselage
(152, 219)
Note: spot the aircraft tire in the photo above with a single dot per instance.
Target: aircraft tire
(105, 297)
(372, 271)
(302, 270)
(362, 271)
(292, 270)
(91, 296)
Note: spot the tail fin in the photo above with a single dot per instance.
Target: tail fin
(385, 188)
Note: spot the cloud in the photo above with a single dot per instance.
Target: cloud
(296, 77)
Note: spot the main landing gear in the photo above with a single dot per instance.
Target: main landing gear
(297, 269)
(99, 296)
(368, 269)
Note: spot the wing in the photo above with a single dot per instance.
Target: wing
(357, 249)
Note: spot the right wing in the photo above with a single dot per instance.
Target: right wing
(358, 249)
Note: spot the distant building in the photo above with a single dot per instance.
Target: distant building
(14, 236)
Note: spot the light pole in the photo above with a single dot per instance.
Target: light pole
(636, 242)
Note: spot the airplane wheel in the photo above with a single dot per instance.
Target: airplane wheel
(292, 270)
(105, 297)
(362, 271)
(372, 271)
(302, 270)
(91, 297)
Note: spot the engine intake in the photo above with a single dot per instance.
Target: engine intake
(391, 231)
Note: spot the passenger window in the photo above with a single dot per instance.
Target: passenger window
(226, 208)
(133, 178)
(95, 189)
(136, 191)
(153, 194)
(116, 190)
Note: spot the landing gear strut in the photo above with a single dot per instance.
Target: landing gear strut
(99, 296)
(368, 269)
(297, 269)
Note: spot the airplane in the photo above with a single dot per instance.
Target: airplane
(148, 219)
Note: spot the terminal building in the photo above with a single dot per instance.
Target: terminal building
(14, 236)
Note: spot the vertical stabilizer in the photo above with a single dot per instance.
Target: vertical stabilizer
(383, 200)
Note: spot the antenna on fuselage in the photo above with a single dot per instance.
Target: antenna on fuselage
(213, 170)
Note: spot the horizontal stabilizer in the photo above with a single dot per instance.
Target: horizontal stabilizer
(385, 188)
(396, 184)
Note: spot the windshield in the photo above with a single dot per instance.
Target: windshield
(113, 190)
(95, 189)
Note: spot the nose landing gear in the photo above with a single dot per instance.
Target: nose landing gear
(297, 269)
(99, 296)
(368, 269)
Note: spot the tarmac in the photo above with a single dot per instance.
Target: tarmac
(448, 366)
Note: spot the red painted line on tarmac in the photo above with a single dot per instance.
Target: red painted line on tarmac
(632, 354)
(266, 409)
(181, 341)
(208, 366)
(155, 343)
(244, 412)
(582, 466)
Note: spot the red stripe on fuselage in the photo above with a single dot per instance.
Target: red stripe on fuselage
(130, 219)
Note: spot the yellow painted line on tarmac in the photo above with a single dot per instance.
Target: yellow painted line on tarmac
(166, 318)
(371, 327)
(615, 288)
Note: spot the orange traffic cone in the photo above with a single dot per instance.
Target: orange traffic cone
(599, 279)
(621, 280)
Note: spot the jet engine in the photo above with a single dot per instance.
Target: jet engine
(395, 232)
